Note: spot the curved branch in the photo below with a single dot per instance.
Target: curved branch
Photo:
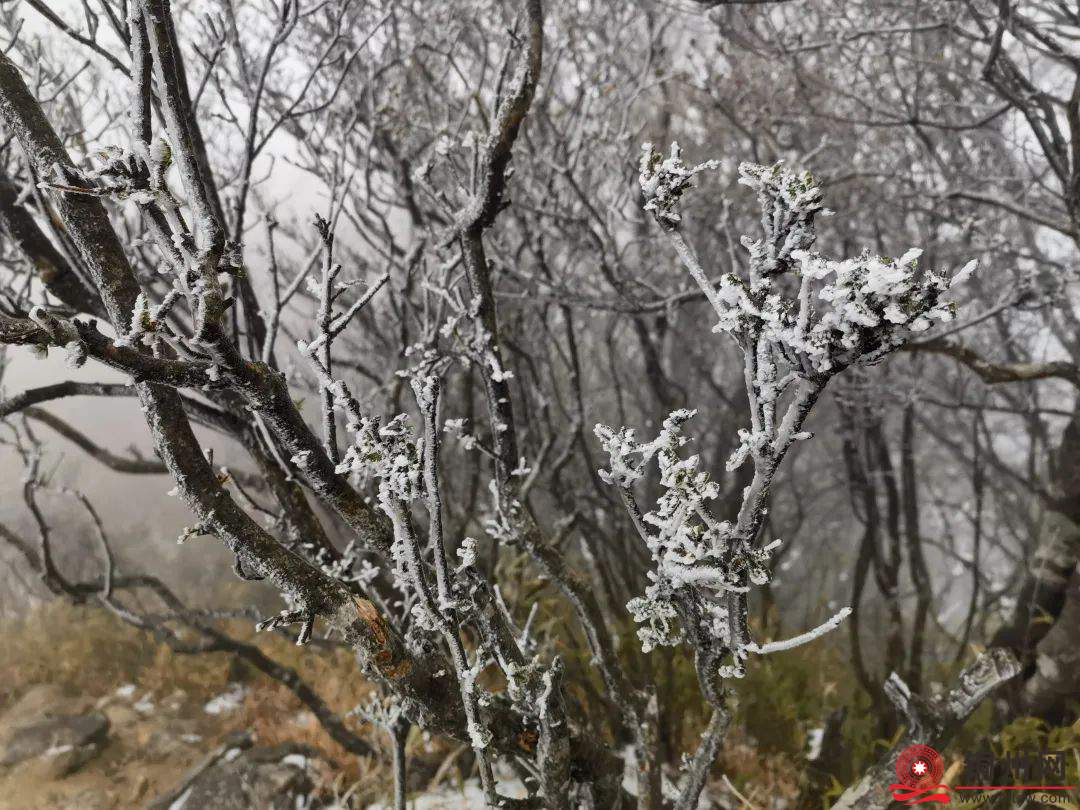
(380, 649)
(69, 388)
(1024, 213)
(132, 466)
(994, 373)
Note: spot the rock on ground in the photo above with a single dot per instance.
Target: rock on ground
(241, 777)
(58, 745)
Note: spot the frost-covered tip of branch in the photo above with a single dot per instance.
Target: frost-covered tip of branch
(803, 638)
(847, 311)
(798, 192)
(621, 444)
(837, 313)
(665, 180)
(659, 620)
(696, 557)
(702, 566)
(867, 307)
(789, 202)
(467, 552)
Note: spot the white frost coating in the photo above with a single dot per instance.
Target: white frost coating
(804, 638)
(799, 319)
(964, 273)
(455, 426)
(660, 620)
(664, 180)
(814, 738)
(147, 320)
(690, 548)
(74, 354)
(479, 736)
(855, 309)
(620, 445)
(390, 454)
(467, 553)
(468, 794)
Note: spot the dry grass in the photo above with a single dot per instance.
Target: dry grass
(90, 653)
(761, 776)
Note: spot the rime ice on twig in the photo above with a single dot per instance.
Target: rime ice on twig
(799, 319)
(664, 181)
(405, 468)
(698, 559)
(305, 619)
(802, 638)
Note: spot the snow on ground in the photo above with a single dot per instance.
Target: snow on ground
(228, 701)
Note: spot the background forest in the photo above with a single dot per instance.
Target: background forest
(295, 220)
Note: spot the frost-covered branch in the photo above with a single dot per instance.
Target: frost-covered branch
(802, 638)
(799, 319)
(405, 469)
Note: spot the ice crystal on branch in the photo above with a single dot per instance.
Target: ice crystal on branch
(665, 180)
(799, 319)
(147, 321)
(688, 545)
(819, 315)
(789, 202)
(866, 306)
(620, 445)
(390, 454)
(467, 552)
(660, 620)
(699, 562)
